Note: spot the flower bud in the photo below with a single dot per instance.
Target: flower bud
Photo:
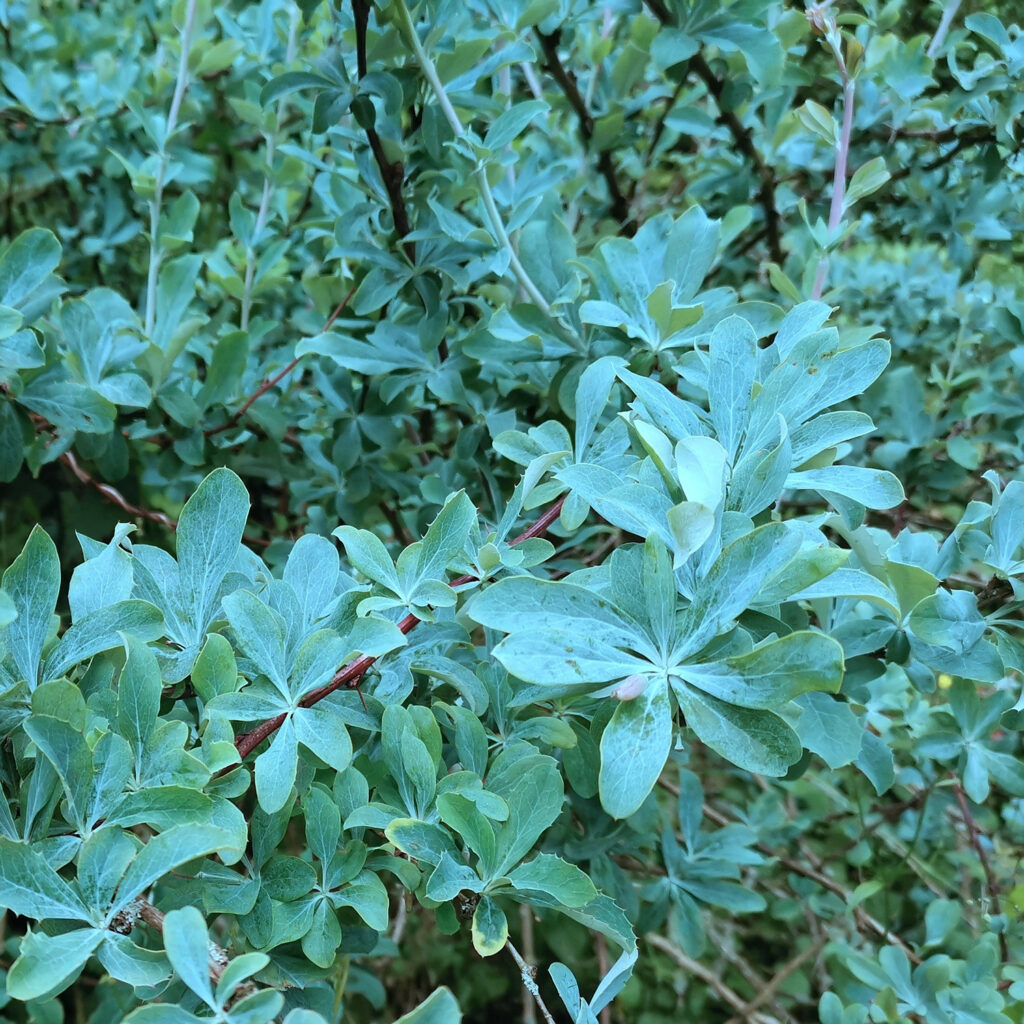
(631, 687)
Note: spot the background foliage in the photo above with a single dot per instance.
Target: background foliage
(523, 483)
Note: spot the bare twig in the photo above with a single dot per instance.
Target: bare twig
(526, 282)
(263, 213)
(743, 137)
(114, 496)
(659, 125)
(725, 944)
(526, 927)
(605, 1017)
(741, 134)
(864, 920)
(111, 494)
(696, 968)
(532, 81)
(401, 918)
(991, 882)
(145, 911)
(768, 991)
(529, 974)
(963, 142)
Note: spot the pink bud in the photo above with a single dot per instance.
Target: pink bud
(631, 687)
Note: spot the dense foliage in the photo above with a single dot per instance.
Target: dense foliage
(530, 511)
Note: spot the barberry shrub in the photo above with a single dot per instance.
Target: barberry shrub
(511, 511)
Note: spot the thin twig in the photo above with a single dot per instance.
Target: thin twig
(529, 975)
(401, 534)
(695, 967)
(532, 81)
(114, 496)
(269, 382)
(963, 142)
(401, 918)
(607, 22)
(526, 927)
(772, 986)
(991, 882)
(111, 494)
(350, 675)
(743, 137)
(864, 920)
(605, 1016)
(726, 946)
(155, 919)
(659, 125)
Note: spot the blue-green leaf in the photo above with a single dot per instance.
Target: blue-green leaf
(872, 488)
(733, 352)
(510, 123)
(188, 948)
(555, 876)
(31, 888)
(276, 768)
(634, 748)
(209, 532)
(167, 851)
(49, 963)
(757, 741)
(25, 264)
(32, 582)
(100, 631)
(440, 1007)
(774, 673)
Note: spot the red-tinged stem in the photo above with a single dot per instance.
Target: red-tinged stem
(835, 214)
(539, 527)
(218, 957)
(271, 381)
(991, 882)
(114, 496)
(350, 675)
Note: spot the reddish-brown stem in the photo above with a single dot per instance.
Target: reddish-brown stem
(114, 496)
(835, 215)
(991, 882)
(392, 173)
(349, 676)
(605, 164)
(743, 138)
(218, 957)
(741, 135)
(269, 382)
